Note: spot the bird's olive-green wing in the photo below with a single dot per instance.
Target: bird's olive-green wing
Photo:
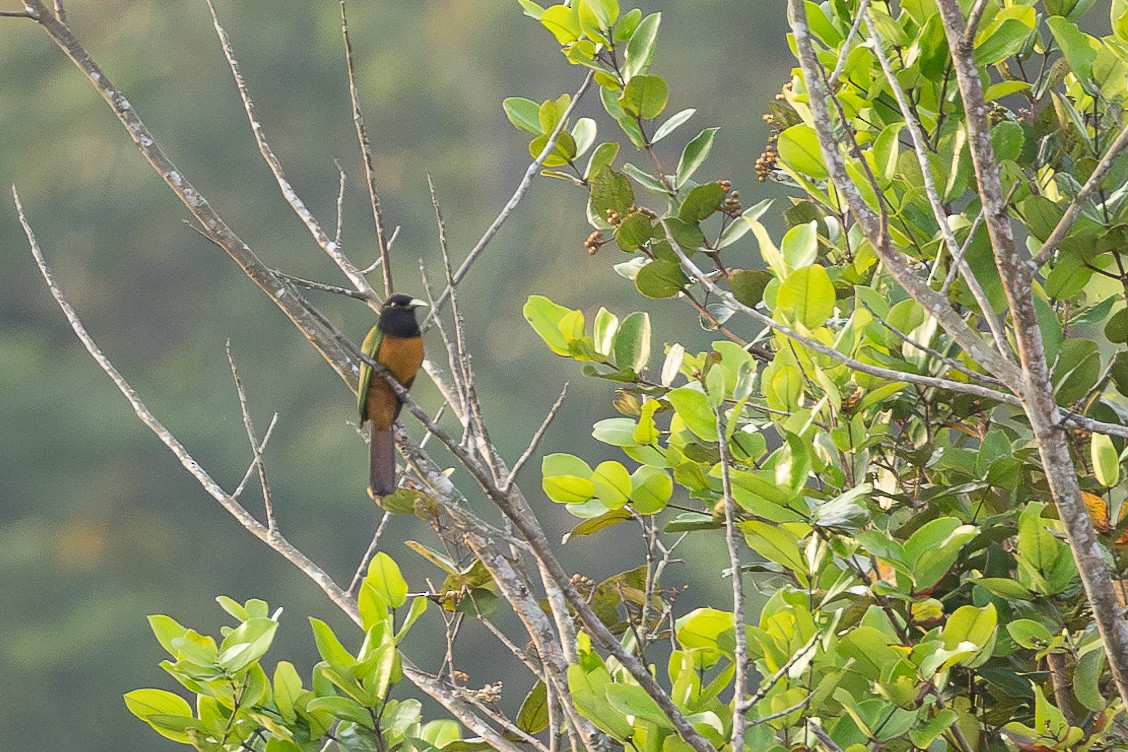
(369, 347)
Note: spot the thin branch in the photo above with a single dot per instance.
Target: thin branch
(267, 500)
(823, 737)
(920, 148)
(740, 652)
(511, 478)
(251, 468)
(340, 205)
(514, 200)
(60, 11)
(973, 20)
(309, 284)
(19, 14)
(281, 292)
(383, 245)
(271, 537)
(766, 686)
(950, 362)
(1073, 211)
(362, 568)
(331, 248)
(840, 66)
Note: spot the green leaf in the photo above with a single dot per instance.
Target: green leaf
(748, 285)
(246, 644)
(701, 202)
(562, 22)
(531, 9)
(1029, 633)
(1007, 139)
(800, 245)
(970, 634)
(694, 155)
(545, 317)
(640, 48)
(612, 483)
(671, 124)
(610, 192)
(566, 479)
(776, 543)
(330, 648)
(523, 113)
(384, 576)
(806, 297)
(595, 524)
(287, 688)
(661, 279)
(651, 489)
(1078, 47)
(167, 631)
(633, 700)
(645, 96)
(704, 628)
(1106, 460)
(147, 703)
(532, 718)
(798, 147)
(603, 156)
(1007, 39)
(1116, 329)
(632, 342)
(615, 431)
(692, 406)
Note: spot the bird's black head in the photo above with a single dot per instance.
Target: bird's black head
(397, 317)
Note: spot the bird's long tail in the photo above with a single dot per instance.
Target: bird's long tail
(382, 472)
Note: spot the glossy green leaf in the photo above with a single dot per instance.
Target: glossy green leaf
(671, 124)
(661, 279)
(523, 113)
(632, 342)
(640, 48)
(694, 155)
(645, 96)
(806, 297)
(1106, 460)
(651, 489)
(692, 406)
(545, 317)
(798, 147)
(384, 575)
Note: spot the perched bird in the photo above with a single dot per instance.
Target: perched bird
(396, 344)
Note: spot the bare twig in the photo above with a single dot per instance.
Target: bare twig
(511, 478)
(920, 148)
(60, 11)
(383, 245)
(19, 14)
(823, 737)
(973, 20)
(766, 686)
(362, 568)
(331, 248)
(309, 284)
(340, 205)
(740, 652)
(514, 200)
(267, 501)
(1073, 211)
(251, 468)
(840, 66)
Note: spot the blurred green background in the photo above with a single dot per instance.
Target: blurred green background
(99, 525)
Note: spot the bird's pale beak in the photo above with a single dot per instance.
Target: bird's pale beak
(417, 303)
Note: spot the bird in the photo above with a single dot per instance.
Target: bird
(397, 344)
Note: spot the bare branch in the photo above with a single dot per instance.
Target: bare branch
(920, 148)
(362, 568)
(340, 205)
(309, 284)
(331, 248)
(535, 441)
(514, 200)
(267, 501)
(251, 468)
(863, 11)
(823, 737)
(383, 245)
(973, 20)
(281, 292)
(19, 14)
(1073, 211)
(60, 11)
(740, 652)
(271, 537)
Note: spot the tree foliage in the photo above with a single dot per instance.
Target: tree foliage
(908, 429)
